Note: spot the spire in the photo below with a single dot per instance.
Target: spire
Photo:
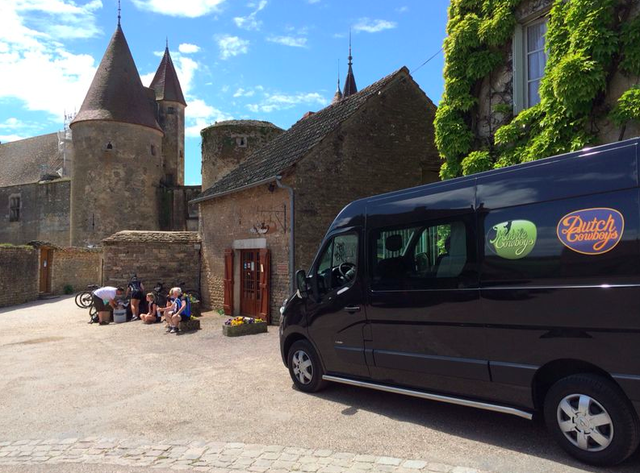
(119, 12)
(350, 82)
(116, 92)
(165, 82)
(338, 95)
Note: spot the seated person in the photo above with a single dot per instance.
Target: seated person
(104, 300)
(180, 312)
(153, 314)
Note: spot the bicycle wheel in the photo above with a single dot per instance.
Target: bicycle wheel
(93, 314)
(86, 299)
(77, 300)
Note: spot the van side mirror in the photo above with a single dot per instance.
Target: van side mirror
(301, 284)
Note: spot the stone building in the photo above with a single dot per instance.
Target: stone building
(119, 165)
(515, 82)
(265, 217)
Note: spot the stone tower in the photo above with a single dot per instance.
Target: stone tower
(226, 144)
(171, 107)
(118, 152)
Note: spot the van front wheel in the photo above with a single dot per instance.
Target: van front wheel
(592, 419)
(305, 368)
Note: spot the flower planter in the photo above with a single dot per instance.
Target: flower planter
(244, 329)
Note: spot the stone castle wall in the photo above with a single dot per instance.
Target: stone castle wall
(226, 144)
(18, 275)
(169, 257)
(114, 189)
(231, 219)
(171, 120)
(76, 267)
(44, 213)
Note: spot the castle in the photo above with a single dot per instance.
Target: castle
(118, 165)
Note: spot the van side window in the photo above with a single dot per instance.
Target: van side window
(337, 265)
(419, 256)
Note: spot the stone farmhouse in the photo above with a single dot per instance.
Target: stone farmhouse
(119, 165)
(270, 195)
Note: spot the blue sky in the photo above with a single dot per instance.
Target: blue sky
(254, 59)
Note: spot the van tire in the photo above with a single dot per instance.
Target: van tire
(305, 367)
(619, 434)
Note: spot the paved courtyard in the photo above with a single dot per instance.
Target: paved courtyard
(127, 398)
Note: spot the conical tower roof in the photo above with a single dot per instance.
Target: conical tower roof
(350, 82)
(166, 83)
(338, 95)
(116, 93)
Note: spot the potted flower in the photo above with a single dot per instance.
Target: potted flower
(239, 326)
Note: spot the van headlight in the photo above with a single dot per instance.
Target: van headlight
(282, 307)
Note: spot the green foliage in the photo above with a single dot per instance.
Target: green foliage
(628, 107)
(631, 47)
(67, 289)
(582, 41)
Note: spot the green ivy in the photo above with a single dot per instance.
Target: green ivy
(585, 44)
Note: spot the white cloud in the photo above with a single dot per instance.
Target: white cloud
(200, 115)
(31, 56)
(232, 46)
(187, 48)
(8, 138)
(277, 102)
(313, 1)
(244, 93)
(250, 22)
(402, 9)
(373, 26)
(289, 41)
(187, 8)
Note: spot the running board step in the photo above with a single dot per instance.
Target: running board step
(432, 397)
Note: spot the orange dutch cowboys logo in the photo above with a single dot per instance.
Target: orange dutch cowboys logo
(591, 231)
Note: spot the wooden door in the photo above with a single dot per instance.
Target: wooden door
(265, 283)
(250, 282)
(45, 269)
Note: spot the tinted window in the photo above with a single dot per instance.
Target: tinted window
(424, 256)
(337, 265)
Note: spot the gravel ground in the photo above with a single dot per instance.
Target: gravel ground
(61, 377)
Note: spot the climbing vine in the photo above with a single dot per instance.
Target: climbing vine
(587, 42)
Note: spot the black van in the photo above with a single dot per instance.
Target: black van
(516, 290)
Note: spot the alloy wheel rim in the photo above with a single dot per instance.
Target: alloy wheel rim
(585, 422)
(302, 367)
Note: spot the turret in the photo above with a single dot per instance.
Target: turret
(350, 87)
(171, 108)
(118, 143)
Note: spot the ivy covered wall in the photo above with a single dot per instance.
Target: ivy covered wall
(589, 94)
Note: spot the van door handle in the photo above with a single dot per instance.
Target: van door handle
(352, 309)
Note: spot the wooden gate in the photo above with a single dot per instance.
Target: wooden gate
(46, 255)
(228, 282)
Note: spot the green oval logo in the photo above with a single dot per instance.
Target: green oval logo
(514, 239)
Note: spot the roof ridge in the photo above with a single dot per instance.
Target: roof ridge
(287, 148)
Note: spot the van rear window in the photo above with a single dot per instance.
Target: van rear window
(419, 256)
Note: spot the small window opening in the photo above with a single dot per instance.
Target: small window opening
(241, 141)
(171, 110)
(168, 179)
(109, 146)
(14, 209)
(153, 150)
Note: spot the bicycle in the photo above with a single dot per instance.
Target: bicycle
(84, 299)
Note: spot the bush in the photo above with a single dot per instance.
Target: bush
(68, 289)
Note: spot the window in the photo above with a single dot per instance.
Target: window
(14, 208)
(419, 256)
(529, 61)
(168, 179)
(337, 265)
(171, 110)
(109, 146)
(241, 141)
(153, 150)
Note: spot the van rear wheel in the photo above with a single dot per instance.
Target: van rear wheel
(592, 419)
(305, 368)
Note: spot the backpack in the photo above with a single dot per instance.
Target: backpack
(187, 310)
(134, 284)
